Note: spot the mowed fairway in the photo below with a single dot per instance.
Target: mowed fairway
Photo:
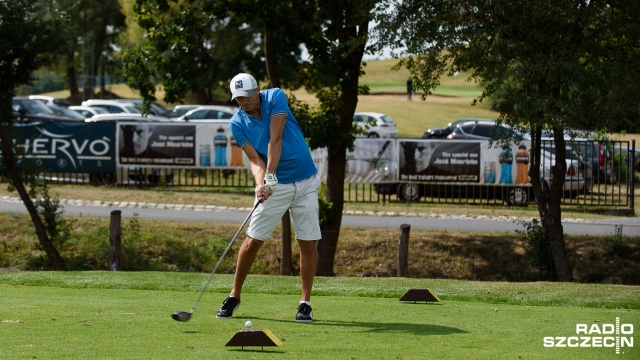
(120, 315)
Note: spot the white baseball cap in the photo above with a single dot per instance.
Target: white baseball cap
(242, 85)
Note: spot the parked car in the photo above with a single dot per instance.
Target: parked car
(50, 100)
(88, 111)
(154, 108)
(65, 111)
(626, 153)
(443, 132)
(600, 157)
(578, 178)
(484, 130)
(180, 110)
(127, 117)
(113, 106)
(592, 149)
(376, 125)
(30, 110)
(209, 112)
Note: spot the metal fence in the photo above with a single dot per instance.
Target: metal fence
(603, 177)
(600, 174)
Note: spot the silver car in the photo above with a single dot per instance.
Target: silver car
(209, 112)
(376, 125)
(484, 130)
(577, 179)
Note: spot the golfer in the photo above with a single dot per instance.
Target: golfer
(286, 178)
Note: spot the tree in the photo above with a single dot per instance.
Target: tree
(545, 64)
(336, 66)
(28, 32)
(87, 41)
(193, 47)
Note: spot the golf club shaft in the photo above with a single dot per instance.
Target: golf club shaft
(193, 308)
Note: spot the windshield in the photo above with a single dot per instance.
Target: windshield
(132, 109)
(32, 107)
(70, 113)
(158, 109)
(387, 120)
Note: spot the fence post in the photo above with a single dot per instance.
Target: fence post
(285, 266)
(631, 188)
(115, 236)
(403, 251)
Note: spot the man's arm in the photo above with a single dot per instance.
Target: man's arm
(258, 170)
(275, 142)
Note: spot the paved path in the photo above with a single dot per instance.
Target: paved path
(224, 214)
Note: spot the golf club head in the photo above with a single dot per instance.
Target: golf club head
(181, 316)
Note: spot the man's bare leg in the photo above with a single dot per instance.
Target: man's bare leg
(246, 256)
(308, 258)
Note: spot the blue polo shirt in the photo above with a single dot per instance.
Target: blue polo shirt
(295, 159)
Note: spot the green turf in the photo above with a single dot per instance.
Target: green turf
(126, 315)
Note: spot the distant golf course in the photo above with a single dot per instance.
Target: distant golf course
(126, 315)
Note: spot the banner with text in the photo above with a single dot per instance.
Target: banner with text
(204, 145)
(68, 147)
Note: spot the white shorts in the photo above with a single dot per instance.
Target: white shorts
(302, 198)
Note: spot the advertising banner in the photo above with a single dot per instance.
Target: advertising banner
(439, 161)
(217, 148)
(69, 147)
(156, 144)
(468, 162)
(371, 161)
(77, 147)
(184, 145)
(382, 161)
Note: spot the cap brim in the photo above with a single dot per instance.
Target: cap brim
(242, 93)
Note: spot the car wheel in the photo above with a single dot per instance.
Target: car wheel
(373, 135)
(409, 192)
(518, 197)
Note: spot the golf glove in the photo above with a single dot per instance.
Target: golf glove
(270, 182)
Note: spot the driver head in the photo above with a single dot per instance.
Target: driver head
(181, 316)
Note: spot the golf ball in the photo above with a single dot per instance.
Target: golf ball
(248, 324)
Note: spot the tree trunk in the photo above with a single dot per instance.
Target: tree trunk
(548, 200)
(350, 65)
(327, 246)
(285, 265)
(72, 80)
(557, 245)
(335, 185)
(55, 259)
(274, 80)
(553, 221)
(270, 59)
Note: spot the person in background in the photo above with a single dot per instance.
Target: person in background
(409, 89)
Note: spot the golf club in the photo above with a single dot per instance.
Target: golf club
(185, 316)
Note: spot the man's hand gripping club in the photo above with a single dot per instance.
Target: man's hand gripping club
(270, 182)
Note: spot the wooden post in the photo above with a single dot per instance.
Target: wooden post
(115, 237)
(285, 266)
(403, 251)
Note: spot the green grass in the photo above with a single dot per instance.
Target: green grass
(380, 78)
(107, 315)
(451, 101)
